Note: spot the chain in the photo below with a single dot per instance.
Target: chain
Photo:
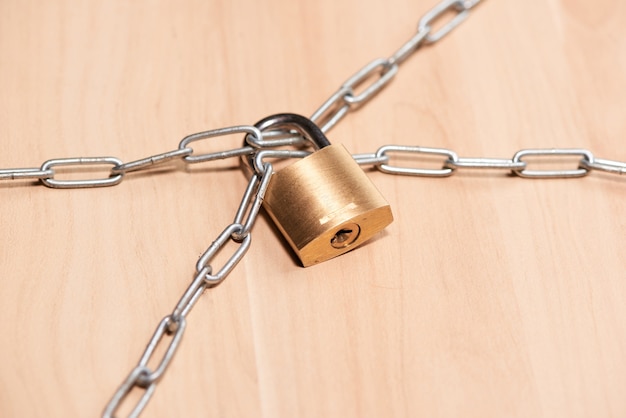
(516, 165)
(260, 145)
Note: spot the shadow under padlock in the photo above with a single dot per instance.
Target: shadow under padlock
(324, 204)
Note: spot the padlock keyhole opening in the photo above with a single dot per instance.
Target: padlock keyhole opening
(346, 236)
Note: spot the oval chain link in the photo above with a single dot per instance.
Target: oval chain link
(260, 145)
(112, 180)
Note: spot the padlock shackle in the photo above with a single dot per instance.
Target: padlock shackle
(299, 123)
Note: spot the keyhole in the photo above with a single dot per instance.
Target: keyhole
(345, 236)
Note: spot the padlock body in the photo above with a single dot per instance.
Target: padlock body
(325, 205)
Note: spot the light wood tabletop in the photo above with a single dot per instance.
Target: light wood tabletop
(490, 295)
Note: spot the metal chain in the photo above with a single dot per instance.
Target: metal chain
(260, 145)
(345, 99)
(173, 325)
(516, 165)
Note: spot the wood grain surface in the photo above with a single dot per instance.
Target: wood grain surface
(489, 296)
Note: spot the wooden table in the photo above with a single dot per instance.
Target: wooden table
(489, 296)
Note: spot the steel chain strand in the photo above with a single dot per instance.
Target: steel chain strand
(46, 173)
(141, 376)
(380, 159)
(517, 166)
(339, 104)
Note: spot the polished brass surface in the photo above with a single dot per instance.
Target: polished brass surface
(325, 205)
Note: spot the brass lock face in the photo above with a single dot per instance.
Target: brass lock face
(323, 204)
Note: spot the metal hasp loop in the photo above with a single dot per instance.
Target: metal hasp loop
(304, 126)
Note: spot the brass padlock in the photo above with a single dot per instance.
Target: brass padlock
(324, 204)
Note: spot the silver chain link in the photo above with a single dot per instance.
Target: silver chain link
(261, 145)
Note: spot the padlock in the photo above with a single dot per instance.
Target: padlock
(324, 204)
